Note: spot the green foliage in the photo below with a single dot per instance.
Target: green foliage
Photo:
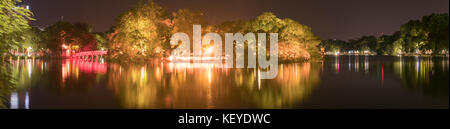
(430, 33)
(32, 39)
(414, 34)
(332, 45)
(102, 42)
(267, 22)
(438, 36)
(184, 19)
(13, 24)
(139, 33)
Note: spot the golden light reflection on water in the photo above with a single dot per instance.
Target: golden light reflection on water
(188, 85)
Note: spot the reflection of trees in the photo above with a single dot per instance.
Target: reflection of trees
(149, 86)
(426, 75)
(19, 75)
(296, 83)
(5, 83)
(57, 75)
(292, 86)
(181, 86)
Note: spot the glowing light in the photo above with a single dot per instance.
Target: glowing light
(259, 79)
(29, 68)
(170, 58)
(14, 101)
(65, 70)
(143, 73)
(209, 51)
(28, 51)
(336, 53)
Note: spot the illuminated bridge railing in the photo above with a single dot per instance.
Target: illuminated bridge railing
(89, 54)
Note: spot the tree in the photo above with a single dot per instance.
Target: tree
(414, 34)
(77, 36)
(102, 42)
(297, 42)
(184, 19)
(390, 44)
(438, 36)
(139, 34)
(333, 45)
(13, 24)
(32, 38)
(429, 33)
(267, 22)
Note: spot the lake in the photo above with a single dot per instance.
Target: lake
(339, 82)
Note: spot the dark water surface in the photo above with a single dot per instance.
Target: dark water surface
(339, 82)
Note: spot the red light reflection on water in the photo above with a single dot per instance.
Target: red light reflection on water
(90, 67)
(74, 66)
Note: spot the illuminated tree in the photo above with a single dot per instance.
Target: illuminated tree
(437, 26)
(77, 36)
(183, 21)
(296, 41)
(429, 33)
(32, 38)
(414, 35)
(332, 45)
(101, 41)
(390, 44)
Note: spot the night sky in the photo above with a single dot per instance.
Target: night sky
(340, 19)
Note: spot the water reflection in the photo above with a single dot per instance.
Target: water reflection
(54, 76)
(426, 75)
(187, 85)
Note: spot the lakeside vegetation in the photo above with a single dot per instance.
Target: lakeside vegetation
(13, 24)
(428, 36)
(143, 32)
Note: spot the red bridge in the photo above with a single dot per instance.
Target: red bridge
(89, 54)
